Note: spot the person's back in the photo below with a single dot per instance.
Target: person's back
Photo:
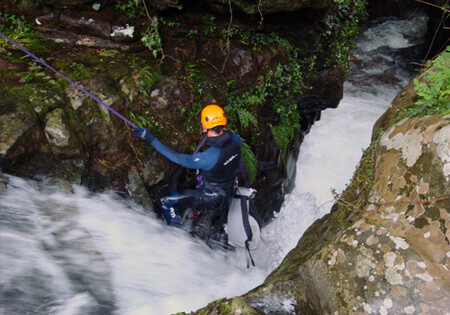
(218, 167)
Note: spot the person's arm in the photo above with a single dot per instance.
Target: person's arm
(204, 160)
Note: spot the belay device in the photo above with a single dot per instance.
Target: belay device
(244, 223)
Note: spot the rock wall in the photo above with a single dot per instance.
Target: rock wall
(389, 257)
(51, 129)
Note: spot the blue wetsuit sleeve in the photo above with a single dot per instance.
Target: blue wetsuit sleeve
(237, 139)
(203, 161)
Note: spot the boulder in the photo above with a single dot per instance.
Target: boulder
(15, 123)
(268, 6)
(390, 256)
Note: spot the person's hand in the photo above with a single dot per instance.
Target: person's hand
(143, 133)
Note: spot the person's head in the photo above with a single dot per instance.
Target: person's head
(213, 119)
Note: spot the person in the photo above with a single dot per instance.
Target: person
(218, 166)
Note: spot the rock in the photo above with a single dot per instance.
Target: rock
(69, 3)
(15, 123)
(266, 6)
(153, 172)
(392, 257)
(128, 88)
(55, 129)
(3, 183)
(159, 99)
(329, 84)
(137, 191)
(87, 23)
(101, 88)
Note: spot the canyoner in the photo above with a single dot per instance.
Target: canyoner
(217, 210)
(205, 209)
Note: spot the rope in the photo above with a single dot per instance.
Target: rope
(201, 144)
(68, 80)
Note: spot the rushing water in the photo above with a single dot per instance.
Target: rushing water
(66, 251)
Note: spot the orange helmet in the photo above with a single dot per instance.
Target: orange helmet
(212, 116)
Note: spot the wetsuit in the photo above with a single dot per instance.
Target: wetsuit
(218, 166)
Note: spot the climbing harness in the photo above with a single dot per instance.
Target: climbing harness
(68, 80)
(244, 223)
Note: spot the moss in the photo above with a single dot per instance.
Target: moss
(218, 307)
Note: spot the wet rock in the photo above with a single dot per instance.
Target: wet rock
(159, 99)
(55, 129)
(15, 123)
(392, 258)
(128, 88)
(86, 23)
(268, 6)
(69, 3)
(136, 189)
(102, 88)
(3, 183)
(329, 85)
(65, 37)
(389, 77)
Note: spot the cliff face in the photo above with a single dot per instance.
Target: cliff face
(273, 79)
(389, 256)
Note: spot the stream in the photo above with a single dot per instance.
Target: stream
(64, 250)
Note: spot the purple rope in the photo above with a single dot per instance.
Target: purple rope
(70, 81)
(243, 175)
(199, 177)
(201, 144)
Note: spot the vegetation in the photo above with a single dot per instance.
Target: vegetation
(20, 31)
(273, 95)
(434, 90)
(280, 88)
(145, 76)
(151, 39)
(341, 23)
(133, 8)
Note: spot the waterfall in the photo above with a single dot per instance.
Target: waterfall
(67, 251)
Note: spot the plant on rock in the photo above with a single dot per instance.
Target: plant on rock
(434, 90)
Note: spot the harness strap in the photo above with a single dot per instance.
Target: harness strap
(247, 228)
(249, 257)
(244, 209)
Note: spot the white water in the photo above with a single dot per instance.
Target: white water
(64, 253)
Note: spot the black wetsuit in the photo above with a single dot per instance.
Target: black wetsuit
(218, 166)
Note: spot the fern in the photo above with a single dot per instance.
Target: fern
(282, 134)
(433, 92)
(245, 117)
(250, 162)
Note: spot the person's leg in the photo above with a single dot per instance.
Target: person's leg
(176, 202)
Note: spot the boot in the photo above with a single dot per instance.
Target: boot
(172, 217)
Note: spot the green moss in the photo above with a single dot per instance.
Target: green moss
(20, 31)
(219, 307)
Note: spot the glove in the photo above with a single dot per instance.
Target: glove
(143, 133)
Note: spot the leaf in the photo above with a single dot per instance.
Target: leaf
(250, 162)
(246, 117)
